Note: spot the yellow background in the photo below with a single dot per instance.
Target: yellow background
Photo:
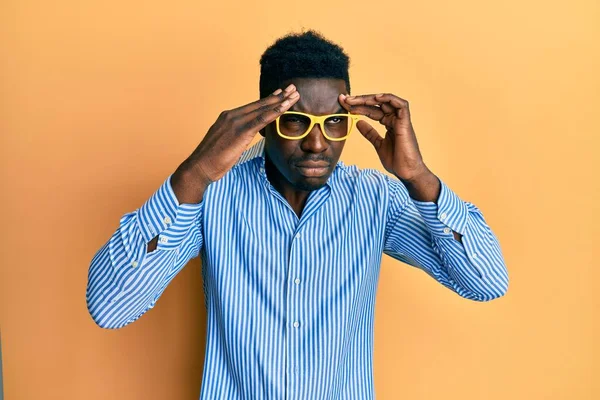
(100, 101)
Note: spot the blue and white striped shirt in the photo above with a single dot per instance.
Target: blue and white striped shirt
(290, 301)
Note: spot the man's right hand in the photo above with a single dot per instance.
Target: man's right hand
(225, 142)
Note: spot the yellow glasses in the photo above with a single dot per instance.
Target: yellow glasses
(295, 125)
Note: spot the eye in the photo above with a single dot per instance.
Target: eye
(335, 120)
(292, 119)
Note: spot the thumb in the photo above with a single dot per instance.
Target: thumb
(370, 133)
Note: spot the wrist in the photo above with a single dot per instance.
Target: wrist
(416, 178)
(424, 186)
(189, 183)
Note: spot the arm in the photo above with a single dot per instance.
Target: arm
(126, 279)
(447, 238)
(131, 271)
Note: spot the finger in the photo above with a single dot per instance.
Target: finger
(370, 134)
(342, 100)
(375, 113)
(387, 108)
(277, 96)
(379, 99)
(366, 100)
(266, 114)
(394, 100)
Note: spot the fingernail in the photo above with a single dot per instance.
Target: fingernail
(289, 88)
(379, 95)
(294, 95)
(350, 97)
(277, 91)
(343, 96)
(285, 103)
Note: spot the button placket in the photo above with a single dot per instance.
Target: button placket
(295, 322)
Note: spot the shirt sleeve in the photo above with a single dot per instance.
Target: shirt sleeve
(124, 281)
(420, 234)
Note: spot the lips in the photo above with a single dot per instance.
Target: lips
(313, 169)
(313, 164)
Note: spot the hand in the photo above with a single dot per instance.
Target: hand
(233, 131)
(398, 150)
(225, 142)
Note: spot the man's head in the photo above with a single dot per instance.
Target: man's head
(319, 70)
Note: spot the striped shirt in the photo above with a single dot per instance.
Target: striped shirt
(290, 301)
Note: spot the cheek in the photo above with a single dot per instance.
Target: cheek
(337, 149)
(280, 150)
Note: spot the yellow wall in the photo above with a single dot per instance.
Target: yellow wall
(101, 100)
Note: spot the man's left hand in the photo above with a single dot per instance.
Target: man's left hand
(398, 150)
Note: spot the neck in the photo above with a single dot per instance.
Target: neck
(296, 198)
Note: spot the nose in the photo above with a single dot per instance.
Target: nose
(315, 142)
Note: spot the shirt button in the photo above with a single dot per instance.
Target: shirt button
(296, 324)
(134, 264)
(443, 216)
(474, 255)
(262, 170)
(298, 236)
(446, 230)
(167, 220)
(297, 281)
(163, 239)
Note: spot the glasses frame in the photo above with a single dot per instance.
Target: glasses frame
(318, 119)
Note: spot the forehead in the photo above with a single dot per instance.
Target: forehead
(318, 96)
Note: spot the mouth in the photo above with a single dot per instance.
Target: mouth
(313, 169)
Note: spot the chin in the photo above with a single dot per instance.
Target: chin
(309, 184)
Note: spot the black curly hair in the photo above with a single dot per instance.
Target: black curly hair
(302, 55)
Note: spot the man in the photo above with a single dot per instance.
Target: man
(290, 238)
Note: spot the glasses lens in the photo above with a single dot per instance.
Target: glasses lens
(337, 126)
(293, 124)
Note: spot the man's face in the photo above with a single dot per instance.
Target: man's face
(307, 163)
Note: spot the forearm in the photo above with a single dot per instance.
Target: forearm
(118, 292)
(124, 279)
(473, 261)
(423, 234)
(426, 188)
(475, 266)
(188, 183)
